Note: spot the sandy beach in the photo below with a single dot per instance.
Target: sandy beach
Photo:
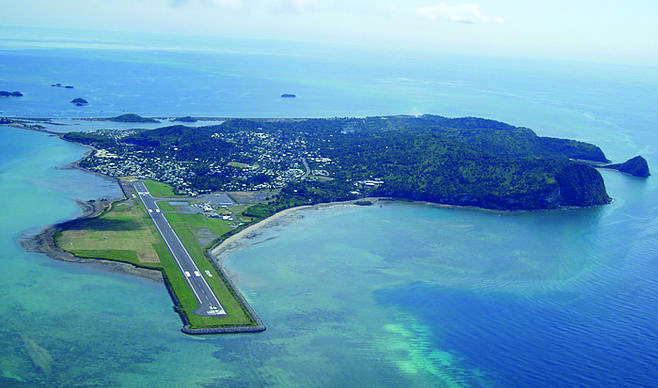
(241, 238)
(237, 240)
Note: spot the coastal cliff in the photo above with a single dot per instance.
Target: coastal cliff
(581, 185)
(568, 185)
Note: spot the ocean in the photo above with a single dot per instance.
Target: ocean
(393, 295)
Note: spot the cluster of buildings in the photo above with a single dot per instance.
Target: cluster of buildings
(136, 164)
(261, 161)
(210, 211)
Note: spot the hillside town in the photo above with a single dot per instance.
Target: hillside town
(256, 161)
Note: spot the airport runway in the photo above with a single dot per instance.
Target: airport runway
(208, 302)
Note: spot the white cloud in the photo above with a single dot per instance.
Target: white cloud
(228, 3)
(459, 13)
(285, 6)
(297, 6)
(234, 4)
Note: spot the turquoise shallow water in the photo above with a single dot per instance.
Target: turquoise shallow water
(459, 297)
(398, 295)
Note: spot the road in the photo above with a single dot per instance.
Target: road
(307, 168)
(208, 302)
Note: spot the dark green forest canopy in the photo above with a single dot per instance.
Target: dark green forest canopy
(462, 161)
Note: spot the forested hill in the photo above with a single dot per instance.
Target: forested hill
(487, 135)
(461, 161)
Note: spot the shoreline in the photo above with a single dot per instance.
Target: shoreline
(44, 242)
(224, 248)
(249, 232)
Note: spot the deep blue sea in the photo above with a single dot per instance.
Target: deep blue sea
(392, 295)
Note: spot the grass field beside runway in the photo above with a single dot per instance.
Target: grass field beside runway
(187, 227)
(126, 233)
(159, 189)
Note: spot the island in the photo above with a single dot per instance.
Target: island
(464, 161)
(131, 118)
(288, 95)
(186, 119)
(636, 166)
(5, 93)
(189, 191)
(58, 85)
(79, 101)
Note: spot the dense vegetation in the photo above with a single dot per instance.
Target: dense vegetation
(463, 161)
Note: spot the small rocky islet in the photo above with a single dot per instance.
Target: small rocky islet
(4, 93)
(132, 118)
(636, 166)
(79, 101)
(186, 119)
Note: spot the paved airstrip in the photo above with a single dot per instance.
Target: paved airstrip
(208, 302)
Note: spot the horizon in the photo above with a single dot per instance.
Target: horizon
(605, 33)
(35, 38)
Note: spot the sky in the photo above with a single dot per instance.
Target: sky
(615, 31)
